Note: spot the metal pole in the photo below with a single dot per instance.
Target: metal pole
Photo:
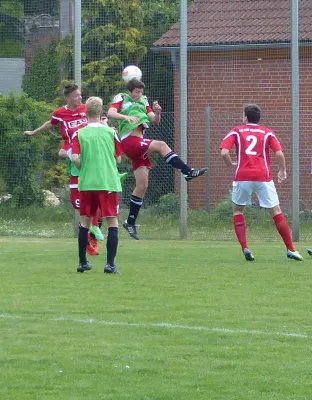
(77, 73)
(183, 115)
(295, 117)
(77, 67)
(207, 153)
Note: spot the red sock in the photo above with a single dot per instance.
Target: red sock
(283, 229)
(240, 230)
(95, 219)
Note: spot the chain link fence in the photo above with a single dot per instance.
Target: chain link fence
(232, 60)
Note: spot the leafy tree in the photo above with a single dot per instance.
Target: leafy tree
(37, 7)
(11, 28)
(157, 68)
(112, 35)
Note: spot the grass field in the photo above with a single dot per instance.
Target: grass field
(185, 320)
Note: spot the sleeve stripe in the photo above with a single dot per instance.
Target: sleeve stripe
(230, 134)
(59, 119)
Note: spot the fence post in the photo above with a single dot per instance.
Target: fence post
(77, 69)
(207, 156)
(183, 115)
(295, 118)
(77, 50)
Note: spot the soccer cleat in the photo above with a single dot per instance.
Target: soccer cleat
(309, 252)
(84, 267)
(195, 173)
(248, 255)
(111, 269)
(123, 176)
(92, 251)
(92, 247)
(96, 231)
(131, 229)
(294, 255)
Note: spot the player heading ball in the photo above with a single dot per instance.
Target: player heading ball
(134, 115)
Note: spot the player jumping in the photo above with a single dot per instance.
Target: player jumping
(134, 114)
(253, 143)
(95, 149)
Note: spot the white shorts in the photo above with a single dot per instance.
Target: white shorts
(265, 191)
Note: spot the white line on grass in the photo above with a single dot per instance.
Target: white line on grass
(163, 325)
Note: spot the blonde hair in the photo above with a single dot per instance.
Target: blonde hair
(94, 106)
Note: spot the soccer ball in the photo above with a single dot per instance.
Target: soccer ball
(131, 72)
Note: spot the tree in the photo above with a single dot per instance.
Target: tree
(157, 68)
(112, 35)
(37, 7)
(11, 28)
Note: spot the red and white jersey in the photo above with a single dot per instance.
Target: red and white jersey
(69, 121)
(119, 99)
(253, 144)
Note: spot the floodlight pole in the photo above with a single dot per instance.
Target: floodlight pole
(77, 51)
(183, 115)
(295, 117)
(77, 73)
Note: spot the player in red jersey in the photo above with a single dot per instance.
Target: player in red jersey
(69, 118)
(253, 174)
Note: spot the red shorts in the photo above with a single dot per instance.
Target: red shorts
(91, 200)
(135, 148)
(74, 193)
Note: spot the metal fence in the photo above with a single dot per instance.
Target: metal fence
(232, 52)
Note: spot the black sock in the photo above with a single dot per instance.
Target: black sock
(82, 244)
(100, 223)
(175, 161)
(135, 205)
(111, 245)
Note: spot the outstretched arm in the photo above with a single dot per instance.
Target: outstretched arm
(47, 125)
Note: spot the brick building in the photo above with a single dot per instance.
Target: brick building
(239, 52)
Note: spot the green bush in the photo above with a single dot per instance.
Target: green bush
(21, 158)
(56, 176)
(168, 205)
(41, 81)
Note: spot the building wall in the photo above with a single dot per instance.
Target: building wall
(11, 74)
(224, 81)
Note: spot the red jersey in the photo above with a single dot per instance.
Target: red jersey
(76, 144)
(69, 121)
(253, 143)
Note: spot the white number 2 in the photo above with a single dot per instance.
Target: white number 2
(253, 140)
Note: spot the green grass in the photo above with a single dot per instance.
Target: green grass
(90, 336)
(46, 224)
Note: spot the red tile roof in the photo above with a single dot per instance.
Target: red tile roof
(240, 21)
